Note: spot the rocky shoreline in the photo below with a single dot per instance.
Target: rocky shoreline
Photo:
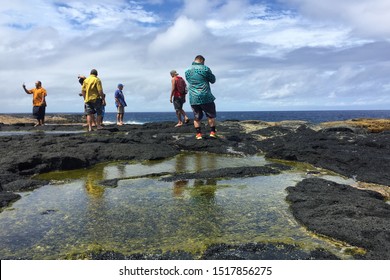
(359, 217)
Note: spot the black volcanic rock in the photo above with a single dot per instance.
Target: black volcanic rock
(339, 211)
(8, 197)
(359, 217)
(363, 156)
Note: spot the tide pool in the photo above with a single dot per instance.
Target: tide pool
(76, 213)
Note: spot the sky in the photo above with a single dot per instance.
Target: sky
(270, 55)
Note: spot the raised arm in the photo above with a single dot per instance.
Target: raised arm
(26, 90)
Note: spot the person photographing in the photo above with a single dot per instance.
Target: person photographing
(199, 77)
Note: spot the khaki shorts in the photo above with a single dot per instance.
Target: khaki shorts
(120, 110)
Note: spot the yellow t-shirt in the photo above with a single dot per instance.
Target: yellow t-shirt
(92, 86)
(38, 95)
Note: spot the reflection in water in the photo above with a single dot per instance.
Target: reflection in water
(205, 163)
(145, 214)
(179, 187)
(91, 185)
(203, 220)
(181, 164)
(204, 188)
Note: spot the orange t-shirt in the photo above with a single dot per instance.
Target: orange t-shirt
(38, 95)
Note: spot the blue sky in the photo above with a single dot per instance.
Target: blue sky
(266, 55)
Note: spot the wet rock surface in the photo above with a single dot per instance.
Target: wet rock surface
(40, 151)
(7, 198)
(360, 155)
(359, 217)
(233, 172)
(355, 153)
(250, 251)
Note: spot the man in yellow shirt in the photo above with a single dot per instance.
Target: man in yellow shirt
(92, 92)
(39, 102)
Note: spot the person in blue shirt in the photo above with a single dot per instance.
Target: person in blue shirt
(199, 78)
(120, 104)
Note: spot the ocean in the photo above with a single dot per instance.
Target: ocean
(268, 116)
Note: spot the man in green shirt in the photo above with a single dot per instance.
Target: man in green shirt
(199, 77)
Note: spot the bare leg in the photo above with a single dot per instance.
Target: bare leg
(39, 122)
(211, 122)
(120, 119)
(178, 115)
(197, 123)
(99, 122)
(90, 120)
(93, 119)
(185, 118)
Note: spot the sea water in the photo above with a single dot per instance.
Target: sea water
(268, 116)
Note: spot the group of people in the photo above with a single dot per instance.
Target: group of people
(198, 76)
(95, 100)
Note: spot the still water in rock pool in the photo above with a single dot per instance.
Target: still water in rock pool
(75, 213)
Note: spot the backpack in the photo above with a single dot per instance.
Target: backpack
(181, 85)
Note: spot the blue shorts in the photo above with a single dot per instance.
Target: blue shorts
(208, 109)
(94, 107)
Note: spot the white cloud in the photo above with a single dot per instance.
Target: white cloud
(304, 55)
(366, 18)
(198, 9)
(180, 35)
(106, 16)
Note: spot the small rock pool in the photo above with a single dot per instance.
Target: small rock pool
(75, 213)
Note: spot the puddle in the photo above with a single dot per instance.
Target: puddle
(75, 214)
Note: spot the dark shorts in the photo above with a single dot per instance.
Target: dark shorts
(208, 109)
(178, 103)
(94, 107)
(120, 110)
(39, 112)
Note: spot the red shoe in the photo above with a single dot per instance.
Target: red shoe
(199, 136)
(213, 134)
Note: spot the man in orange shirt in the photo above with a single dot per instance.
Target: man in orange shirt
(39, 102)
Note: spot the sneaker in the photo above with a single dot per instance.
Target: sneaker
(199, 136)
(213, 134)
